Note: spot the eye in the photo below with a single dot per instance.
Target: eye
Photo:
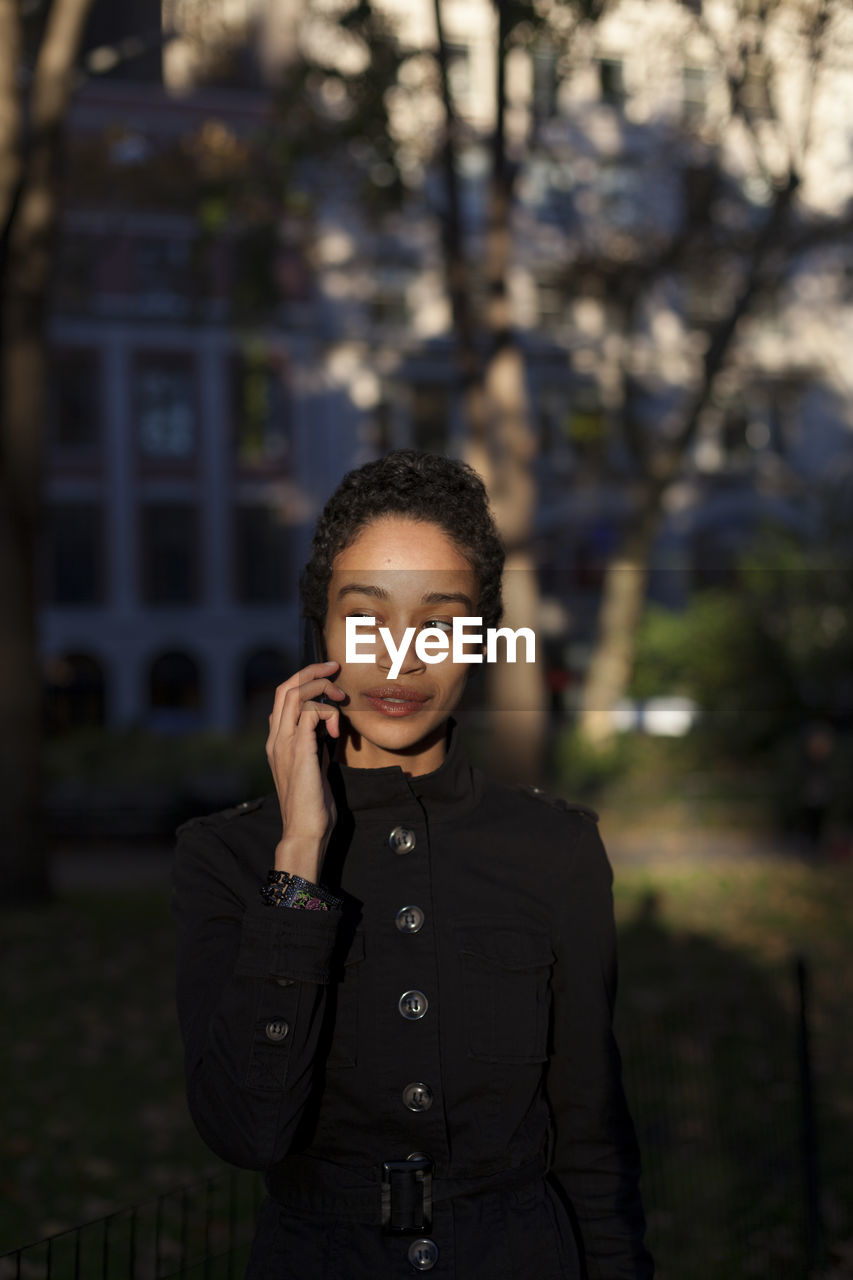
(439, 624)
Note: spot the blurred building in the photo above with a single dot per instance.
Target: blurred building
(193, 436)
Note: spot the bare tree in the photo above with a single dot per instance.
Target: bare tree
(501, 442)
(739, 266)
(32, 112)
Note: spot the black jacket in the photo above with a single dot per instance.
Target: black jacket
(308, 1056)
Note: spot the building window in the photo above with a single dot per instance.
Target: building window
(165, 407)
(76, 277)
(611, 81)
(169, 541)
(263, 671)
(261, 409)
(74, 404)
(174, 693)
(75, 693)
(74, 554)
(262, 555)
(162, 274)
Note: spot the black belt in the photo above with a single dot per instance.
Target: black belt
(396, 1195)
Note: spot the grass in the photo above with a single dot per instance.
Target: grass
(93, 1088)
(707, 1021)
(92, 1082)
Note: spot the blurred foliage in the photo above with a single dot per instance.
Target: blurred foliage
(769, 659)
(769, 652)
(107, 759)
(585, 771)
(718, 652)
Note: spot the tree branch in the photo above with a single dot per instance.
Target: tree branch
(816, 50)
(723, 334)
(52, 79)
(458, 276)
(10, 109)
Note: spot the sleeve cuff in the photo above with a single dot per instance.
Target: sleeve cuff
(288, 944)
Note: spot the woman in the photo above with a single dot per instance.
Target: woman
(396, 977)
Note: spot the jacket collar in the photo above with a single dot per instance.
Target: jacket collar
(446, 792)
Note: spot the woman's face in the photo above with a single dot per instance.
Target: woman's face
(404, 573)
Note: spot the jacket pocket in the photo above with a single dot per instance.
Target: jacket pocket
(506, 973)
(341, 1026)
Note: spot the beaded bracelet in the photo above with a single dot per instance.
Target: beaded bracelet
(285, 890)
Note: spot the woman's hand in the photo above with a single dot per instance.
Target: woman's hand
(307, 806)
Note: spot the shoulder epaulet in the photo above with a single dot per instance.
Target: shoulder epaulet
(558, 802)
(223, 815)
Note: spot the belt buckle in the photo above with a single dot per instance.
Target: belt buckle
(407, 1196)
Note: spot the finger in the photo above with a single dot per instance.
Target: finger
(313, 671)
(296, 698)
(320, 684)
(311, 715)
(277, 709)
(297, 680)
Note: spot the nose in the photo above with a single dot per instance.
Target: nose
(407, 662)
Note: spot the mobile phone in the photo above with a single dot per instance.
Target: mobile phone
(314, 650)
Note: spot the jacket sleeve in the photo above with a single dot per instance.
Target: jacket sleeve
(596, 1159)
(251, 993)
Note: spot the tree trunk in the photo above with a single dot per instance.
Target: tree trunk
(26, 251)
(456, 267)
(23, 863)
(517, 693)
(608, 674)
(499, 443)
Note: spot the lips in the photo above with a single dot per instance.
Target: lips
(395, 699)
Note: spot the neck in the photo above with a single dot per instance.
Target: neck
(424, 756)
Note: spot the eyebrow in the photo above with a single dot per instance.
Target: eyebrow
(428, 598)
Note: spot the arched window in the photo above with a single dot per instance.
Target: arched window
(174, 693)
(75, 693)
(263, 670)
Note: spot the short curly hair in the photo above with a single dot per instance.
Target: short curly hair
(419, 486)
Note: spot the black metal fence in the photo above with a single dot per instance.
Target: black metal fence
(197, 1232)
(730, 1167)
(724, 1106)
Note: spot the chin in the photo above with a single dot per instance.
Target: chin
(396, 735)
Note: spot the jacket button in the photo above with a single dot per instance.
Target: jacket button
(409, 919)
(423, 1254)
(277, 1030)
(413, 1005)
(417, 1096)
(402, 840)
